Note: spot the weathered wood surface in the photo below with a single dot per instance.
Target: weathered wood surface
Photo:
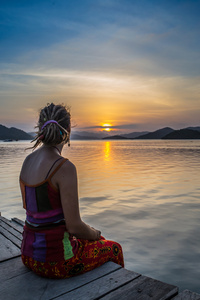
(14, 224)
(101, 286)
(143, 288)
(12, 268)
(110, 281)
(187, 295)
(7, 249)
(32, 287)
(19, 222)
(10, 239)
(16, 241)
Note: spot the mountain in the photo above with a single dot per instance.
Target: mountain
(183, 134)
(194, 128)
(115, 137)
(83, 137)
(77, 136)
(158, 134)
(32, 134)
(164, 133)
(87, 135)
(133, 135)
(13, 134)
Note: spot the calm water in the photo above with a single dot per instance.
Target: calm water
(143, 194)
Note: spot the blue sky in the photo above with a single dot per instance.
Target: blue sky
(119, 62)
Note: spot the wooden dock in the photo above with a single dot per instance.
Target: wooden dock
(110, 281)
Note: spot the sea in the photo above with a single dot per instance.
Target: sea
(144, 194)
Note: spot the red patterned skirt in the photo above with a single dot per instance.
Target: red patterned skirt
(90, 255)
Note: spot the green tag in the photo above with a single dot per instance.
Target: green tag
(68, 253)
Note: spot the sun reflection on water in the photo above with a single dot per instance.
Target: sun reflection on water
(107, 149)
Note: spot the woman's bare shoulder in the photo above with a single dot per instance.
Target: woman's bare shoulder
(68, 168)
(26, 161)
(66, 175)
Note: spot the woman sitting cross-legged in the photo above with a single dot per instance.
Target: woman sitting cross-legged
(56, 242)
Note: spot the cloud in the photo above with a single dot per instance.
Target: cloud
(123, 126)
(121, 61)
(124, 38)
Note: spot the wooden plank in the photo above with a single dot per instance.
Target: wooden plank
(3, 219)
(143, 288)
(187, 295)
(101, 286)
(18, 221)
(32, 287)
(7, 249)
(10, 236)
(12, 268)
(18, 227)
(11, 230)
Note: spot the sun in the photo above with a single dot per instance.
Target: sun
(107, 127)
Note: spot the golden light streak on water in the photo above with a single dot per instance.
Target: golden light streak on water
(107, 147)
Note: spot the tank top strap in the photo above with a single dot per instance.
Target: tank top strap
(57, 168)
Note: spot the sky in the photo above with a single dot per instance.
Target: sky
(131, 64)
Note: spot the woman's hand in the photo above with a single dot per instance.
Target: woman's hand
(98, 233)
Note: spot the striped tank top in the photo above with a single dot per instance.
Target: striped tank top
(45, 237)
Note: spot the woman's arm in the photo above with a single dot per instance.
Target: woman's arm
(68, 187)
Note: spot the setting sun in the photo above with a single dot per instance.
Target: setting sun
(107, 127)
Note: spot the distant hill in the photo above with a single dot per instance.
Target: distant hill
(78, 135)
(83, 137)
(183, 134)
(87, 135)
(194, 128)
(32, 134)
(13, 134)
(115, 137)
(164, 133)
(133, 135)
(158, 134)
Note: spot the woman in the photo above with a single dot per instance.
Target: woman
(56, 242)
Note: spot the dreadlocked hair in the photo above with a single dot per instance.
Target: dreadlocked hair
(53, 134)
